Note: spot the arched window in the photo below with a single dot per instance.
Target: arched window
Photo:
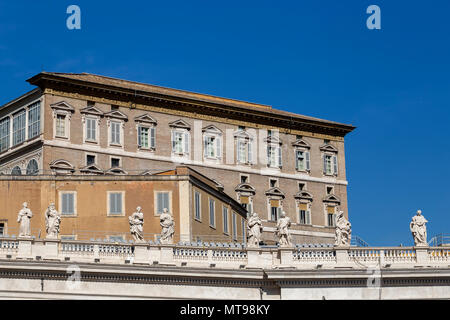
(16, 171)
(32, 167)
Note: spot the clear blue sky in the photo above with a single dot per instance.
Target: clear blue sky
(311, 57)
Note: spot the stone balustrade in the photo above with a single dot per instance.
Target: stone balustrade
(234, 256)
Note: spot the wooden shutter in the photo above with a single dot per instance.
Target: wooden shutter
(308, 166)
(335, 166)
(205, 146)
(219, 147)
(152, 138)
(250, 152)
(280, 163)
(173, 141)
(186, 142)
(324, 163)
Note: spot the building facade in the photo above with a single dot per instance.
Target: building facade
(266, 159)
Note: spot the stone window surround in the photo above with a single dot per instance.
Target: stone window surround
(66, 110)
(145, 121)
(97, 128)
(122, 129)
(60, 194)
(309, 208)
(213, 131)
(269, 207)
(108, 214)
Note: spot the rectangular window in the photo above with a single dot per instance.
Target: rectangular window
(143, 137)
(116, 203)
(212, 213)
(162, 202)
(274, 156)
(91, 129)
(2, 229)
(330, 216)
(304, 214)
(243, 230)
(34, 120)
(68, 237)
(115, 162)
(4, 134)
(115, 132)
(68, 203)
(243, 151)
(180, 142)
(19, 127)
(197, 205)
(90, 159)
(274, 209)
(234, 226)
(302, 162)
(60, 125)
(330, 164)
(225, 220)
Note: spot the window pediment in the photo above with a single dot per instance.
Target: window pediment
(303, 195)
(301, 144)
(180, 124)
(116, 114)
(331, 198)
(145, 118)
(245, 188)
(329, 148)
(62, 165)
(92, 111)
(242, 135)
(91, 169)
(115, 170)
(273, 140)
(218, 185)
(275, 192)
(62, 106)
(212, 129)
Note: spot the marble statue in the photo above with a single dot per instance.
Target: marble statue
(343, 232)
(419, 229)
(254, 227)
(136, 221)
(24, 218)
(52, 221)
(282, 232)
(168, 227)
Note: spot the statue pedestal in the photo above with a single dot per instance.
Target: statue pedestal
(422, 255)
(166, 255)
(141, 253)
(286, 257)
(258, 258)
(25, 248)
(50, 249)
(342, 259)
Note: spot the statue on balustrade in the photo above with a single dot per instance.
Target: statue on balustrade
(168, 227)
(136, 221)
(24, 218)
(283, 233)
(343, 233)
(418, 229)
(52, 221)
(254, 227)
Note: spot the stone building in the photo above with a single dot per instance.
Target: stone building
(268, 160)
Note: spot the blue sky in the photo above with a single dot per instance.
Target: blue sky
(311, 57)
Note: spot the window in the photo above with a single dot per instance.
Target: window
(212, 214)
(330, 164)
(225, 220)
(212, 146)
(68, 237)
(304, 213)
(114, 107)
(116, 238)
(4, 134)
(90, 159)
(273, 183)
(68, 203)
(90, 103)
(34, 120)
(330, 216)
(234, 227)
(244, 179)
(246, 202)
(19, 128)
(61, 125)
(91, 129)
(274, 156)
(244, 151)
(115, 162)
(162, 202)
(330, 190)
(16, 171)
(146, 137)
(115, 203)
(2, 229)
(115, 132)
(32, 167)
(197, 205)
(301, 186)
(275, 209)
(302, 161)
(180, 142)
(243, 230)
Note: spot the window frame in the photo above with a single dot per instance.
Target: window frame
(21, 113)
(7, 137)
(155, 201)
(199, 206)
(96, 120)
(108, 201)
(31, 108)
(151, 136)
(213, 215)
(185, 142)
(225, 220)
(60, 203)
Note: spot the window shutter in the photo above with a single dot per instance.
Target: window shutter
(159, 205)
(173, 141)
(71, 208)
(324, 163)
(238, 153)
(308, 217)
(152, 138)
(335, 166)
(139, 137)
(250, 152)
(205, 146)
(219, 147)
(307, 161)
(268, 155)
(280, 163)
(186, 142)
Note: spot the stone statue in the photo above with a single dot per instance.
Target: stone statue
(343, 233)
(52, 221)
(24, 218)
(168, 227)
(136, 221)
(282, 232)
(254, 227)
(419, 229)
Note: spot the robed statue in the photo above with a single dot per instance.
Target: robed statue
(343, 232)
(136, 221)
(418, 229)
(24, 218)
(254, 229)
(168, 227)
(283, 233)
(52, 221)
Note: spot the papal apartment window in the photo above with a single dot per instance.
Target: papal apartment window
(91, 129)
(162, 202)
(330, 216)
(197, 205)
(19, 129)
(273, 183)
(90, 159)
(61, 125)
(115, 201)
(212, 146)
(212, 213)
(4, 134)
(115, 162)
(34, 120)
(146, 137)
(304, 213)
(234, 226)
(275, 209)
(274, 156)
(115, 132)
(246, 202)
(330, 164)
(244, 151)
(68, 204)
(180, 142)
(302, 160)
(225, 220)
